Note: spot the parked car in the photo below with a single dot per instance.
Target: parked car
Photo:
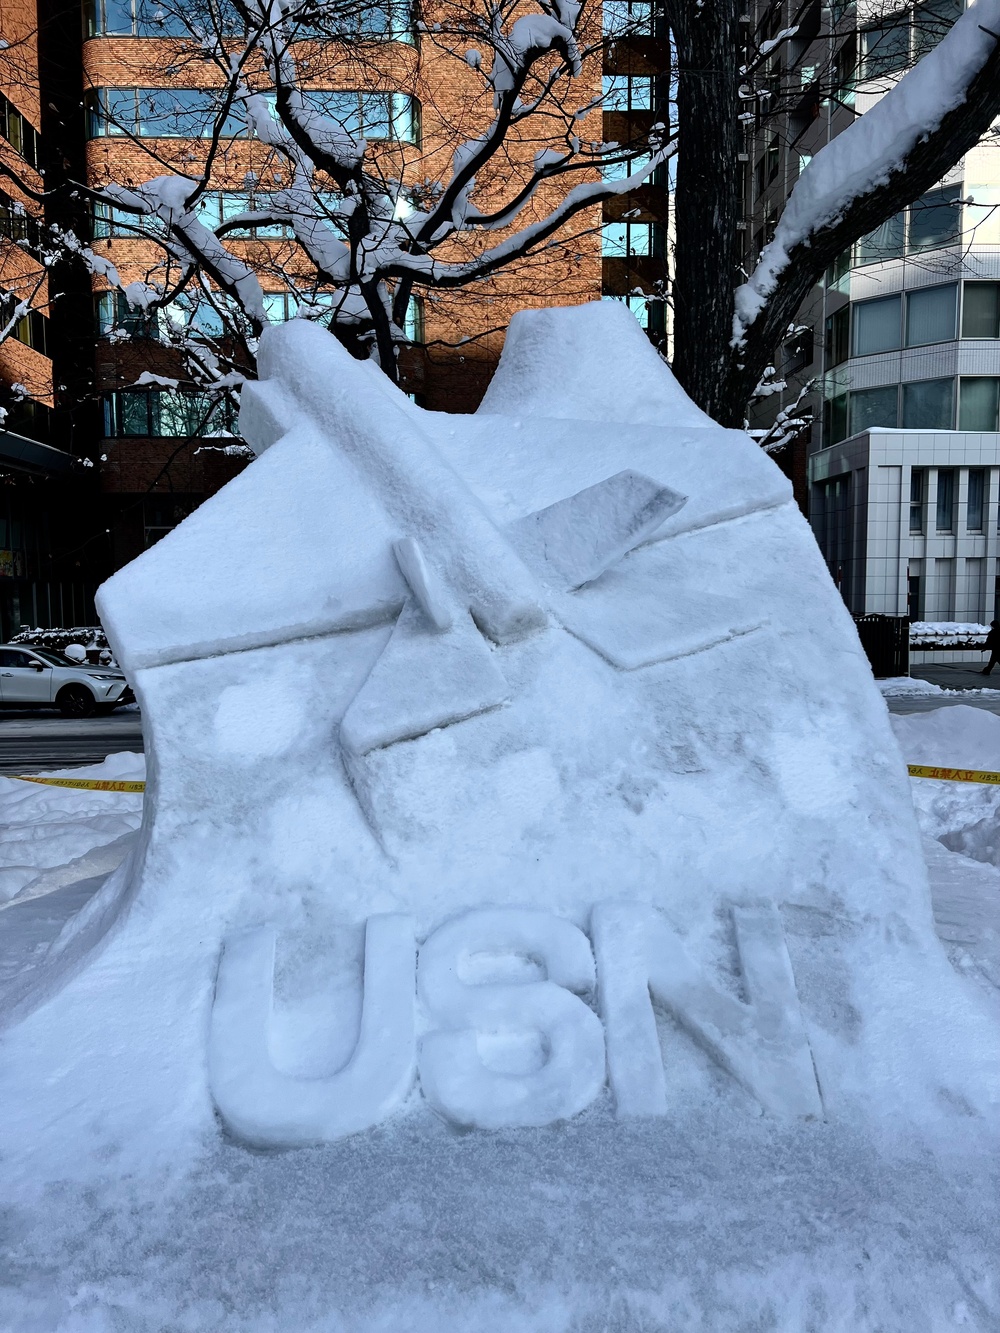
(40, 677)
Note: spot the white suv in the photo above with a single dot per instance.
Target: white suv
(39, 678)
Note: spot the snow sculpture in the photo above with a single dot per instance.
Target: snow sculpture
(521, 773)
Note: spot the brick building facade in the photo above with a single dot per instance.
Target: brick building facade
(77, 75)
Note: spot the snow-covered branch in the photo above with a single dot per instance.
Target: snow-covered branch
(359, 218)
(879, 146)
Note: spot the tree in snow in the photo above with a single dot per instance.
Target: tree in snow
(350, 217)
(728, 325)
(347, 216)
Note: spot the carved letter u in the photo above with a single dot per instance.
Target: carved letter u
(263, 1106)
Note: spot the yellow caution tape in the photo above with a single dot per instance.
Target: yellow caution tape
(84, 784)
(953, 774)
(914, 770)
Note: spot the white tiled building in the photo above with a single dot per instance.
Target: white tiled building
(908, 521)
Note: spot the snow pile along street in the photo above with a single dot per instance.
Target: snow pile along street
(50, 828)
(963, 816)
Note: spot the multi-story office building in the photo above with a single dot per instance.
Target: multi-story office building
(113, 91)
(902, 340)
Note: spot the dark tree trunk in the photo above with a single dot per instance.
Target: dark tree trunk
(77, 420)
(707, 205)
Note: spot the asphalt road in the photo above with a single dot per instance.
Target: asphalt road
(962, 677)
(38, 739)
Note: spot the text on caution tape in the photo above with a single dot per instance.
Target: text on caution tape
(83, 784)
(953, 774)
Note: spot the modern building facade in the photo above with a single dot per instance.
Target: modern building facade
(902, 342)
(908, 522)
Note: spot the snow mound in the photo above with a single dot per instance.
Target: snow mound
(904, 687)
(526, 846)
(963, 816)
(549, 370)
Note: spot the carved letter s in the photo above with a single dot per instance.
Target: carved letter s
(454, 1078)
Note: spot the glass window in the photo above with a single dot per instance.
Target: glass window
(885, 49)
(876, 325)
(981, 310)
(872, 408)
(885, 242)
(930, 315)
(141, 18)
(119, 111)
(628, 92)
(637, 304)
(839, 272)
(914, 599)
(413, 324)
(929, 405)
(405, 118)
(166, 413)
(978, 402)
(614, 239)
(982, 215)
(180, 113)
(374, 115)
(280, 306)
(935, 219)
(198, 314)
(117, 17)
(835, 418)
(620, 240)
(945, 512)
(174, 113)
(837, 340)
(111, 221)
(974, 500)
(931, 22)
(154, 18)
(917, 480)
(132, 416)
(617, 171)
(115, 313)
(628, 17)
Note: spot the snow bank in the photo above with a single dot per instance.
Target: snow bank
(586, 1004)
(50, 826)
(946, 632)
(903, 687)
(963, 816)
(64, 877)
(629, 386)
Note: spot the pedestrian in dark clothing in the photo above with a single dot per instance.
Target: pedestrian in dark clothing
(993, 644)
